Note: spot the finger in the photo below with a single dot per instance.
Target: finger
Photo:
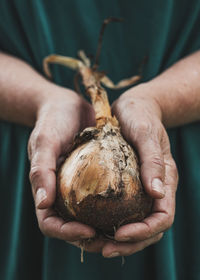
(150, 226)
(53, 226)
(43, 178)
(111, 250)
(42, 153)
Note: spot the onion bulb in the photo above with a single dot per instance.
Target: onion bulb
(99, 184)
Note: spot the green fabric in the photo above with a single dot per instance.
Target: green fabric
(165, 31)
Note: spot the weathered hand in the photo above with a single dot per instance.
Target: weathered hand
(59, 118)
(140, 119)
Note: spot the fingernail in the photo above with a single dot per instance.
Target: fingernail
(113, 255)
(157, 185)
(41, 195)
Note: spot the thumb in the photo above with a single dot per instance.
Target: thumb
(144, 133)
(145, 138)
(152, 167)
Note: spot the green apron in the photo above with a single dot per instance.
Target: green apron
(164, 31)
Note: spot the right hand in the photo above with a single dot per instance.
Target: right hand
(140, 118)
(60, 116)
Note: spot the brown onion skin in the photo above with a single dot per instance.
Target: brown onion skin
(99, 183)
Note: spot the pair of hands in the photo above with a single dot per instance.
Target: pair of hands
(59, 118)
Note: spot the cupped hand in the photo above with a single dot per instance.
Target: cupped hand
(140, 119)
(60, 116)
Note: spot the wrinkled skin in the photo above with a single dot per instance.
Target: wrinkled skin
(63, 115)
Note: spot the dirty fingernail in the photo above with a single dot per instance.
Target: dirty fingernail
(41, 195)
(157, 185)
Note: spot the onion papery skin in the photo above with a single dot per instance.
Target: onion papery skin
(99, 183)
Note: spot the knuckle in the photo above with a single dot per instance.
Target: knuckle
(36, 139)
(158, 161)
(154, 161)
(173, 171)
(35, 173)
(47, 137)
(169, 220)
(47, 228)
(40, 139)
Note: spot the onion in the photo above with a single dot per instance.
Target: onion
(99, 183)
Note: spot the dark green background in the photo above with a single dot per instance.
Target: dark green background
(165, 31)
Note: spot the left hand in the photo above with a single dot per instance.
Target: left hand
(140, 120)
